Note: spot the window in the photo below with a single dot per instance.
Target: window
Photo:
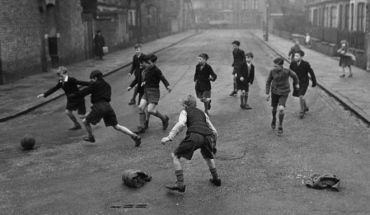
(346, 15)
(340, 17)
(244, 4)
(254, 4)
(360, 16)
(315, 17)
(131, 17)
(333, 18)
(352, 15)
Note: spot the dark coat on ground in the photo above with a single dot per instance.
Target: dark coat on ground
(99, 43)
(202, 77)
(246, 73)
(302, 72)
(136, 63)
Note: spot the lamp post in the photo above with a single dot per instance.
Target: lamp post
(267, 20)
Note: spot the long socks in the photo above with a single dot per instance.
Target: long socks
(180, 177)
(281, 118)
(214, 173)
(159, 115)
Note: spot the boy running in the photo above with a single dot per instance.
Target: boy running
(69, 85)
(201, 134)
(278, 81)
(302, 69)
(101, 93)
(244, 78)
(135, 69)
(203, 75)
(239, 57)
(152, 76)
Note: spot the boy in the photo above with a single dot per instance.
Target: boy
(201, 134)
(244, 78)
(293, 50)
(239, 57)
(152, 76)
(302, 69)
(101, 94)
(278, 81)
(69, 85)
(203, 75)
(135, 69)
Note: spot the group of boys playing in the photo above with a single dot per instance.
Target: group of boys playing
(201, 133)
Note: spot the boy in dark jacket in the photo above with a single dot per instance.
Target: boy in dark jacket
(69, 85)
(302, 69)
(135, 69)
(245, 78)
(151, 78)
(239, 57)
(203, 75)
(201, 134)
(278, 82)
(101, 93)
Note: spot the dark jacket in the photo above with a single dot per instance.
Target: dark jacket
(247, 74)
(302, 72)
(239, 57)
(152, 76)
(202, 77)
(136, 63)
(100, 91)
(278, 81)
(196, 122)
(138, 80)
(99, 43)
(69, 87)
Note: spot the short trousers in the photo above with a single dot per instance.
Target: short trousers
(240, 85)
(151, 95)
(194, 141)
(235, 70)
(203, 94)
(102, 110)
(302, 89)
(78, 105)
(278, 100)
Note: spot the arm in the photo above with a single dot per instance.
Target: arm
(82, 93)
(210, 126)
(312, 74)
(295, 78)
(213, 74)
(132, 66)
(163, 79)
(81, 83)
(180, 125)
(268, 83)
(196, 74)
(52, 90)
(133, 83)
(251, 75)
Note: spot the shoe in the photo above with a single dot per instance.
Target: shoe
(233, 93)
(242, 106)
(247, 107)
(89, 139)
(350, 76)
(273, 124)
(342, 76)
(176, 187)
(165, 122)
(132, 102)
(137, 140)
(301, 114)
(76, 127)
(146, 124)
(306, 109)
(139, 130)
(216, 181)
(280, 130)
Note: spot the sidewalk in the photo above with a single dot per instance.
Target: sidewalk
(20, 97)
(353, 93)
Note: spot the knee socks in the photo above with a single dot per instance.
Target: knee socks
(74, 120)
(242, 99)
(214, 173)
(180, 177)
(142, 119)
(159, 115)
(274, 115)
(281, 118)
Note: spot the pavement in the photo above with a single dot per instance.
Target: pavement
(20, 97)
(353, 93)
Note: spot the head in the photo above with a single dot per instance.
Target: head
(343, 43)
(137, 49)
(149, 61)
(298, 55)
(96, 75)
(296, 42)
(202, 58)
(278, 62)
(249, 57)
(98, 32)
(62, 72)
(189, 101)
(235, 44)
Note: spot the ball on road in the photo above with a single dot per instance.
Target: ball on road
(28, 142)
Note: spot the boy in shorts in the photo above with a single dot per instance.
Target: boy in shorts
(239, 57)
(201, 134)
(69, 85)
(135, 69)
(101, 93)
(203, 76)
(278, 81)
(151, 78)
(302, 69)
(245, 78)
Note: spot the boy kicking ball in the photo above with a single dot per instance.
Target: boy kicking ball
(201, 134)
(101, 93)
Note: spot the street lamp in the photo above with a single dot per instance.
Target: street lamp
(268, 2)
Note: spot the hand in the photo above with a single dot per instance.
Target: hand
(241, 78)
(165, 140)
(249, 84)
(129, 74)
(267, 97)
(129, 88)
(236, 75)
(314, 84)
(297, 86)
(169, 89)
(210, 78)
(41, 95)
(143, 83)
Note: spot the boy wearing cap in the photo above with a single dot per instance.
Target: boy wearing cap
(203, 76)
(135, 69)
(101, 93)
(239, 57)
(151, 78)
(278, 82)
(244, 78)
(69, 85)
(302, 69)
(201, 134)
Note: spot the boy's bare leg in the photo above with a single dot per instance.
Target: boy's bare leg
(127, 131)
(90, 137)
(212, 168)
(179, 186)
(153, 111)
(77, 125)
